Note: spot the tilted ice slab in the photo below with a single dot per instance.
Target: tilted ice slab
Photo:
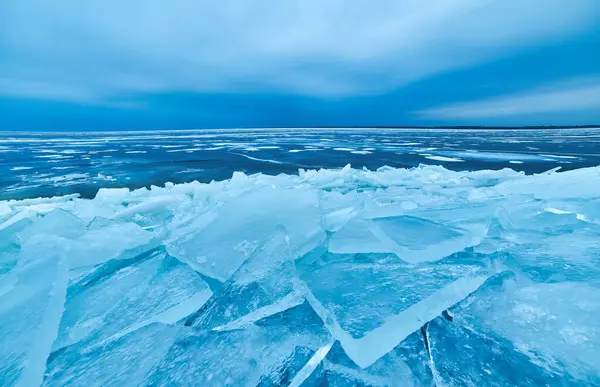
(337, 369)
(31, 304)
(463, 356)
(268, 353)
(222, 239)
(370, 303)
(552, 324)
(166, 283)
(513, 332)
(118, 298)
(86, 242)
(412, 239)
(124, 361)
(261, 287)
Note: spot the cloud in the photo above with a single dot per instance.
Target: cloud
(88, 50)
(571, 96)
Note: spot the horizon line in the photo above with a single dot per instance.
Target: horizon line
(425, 127)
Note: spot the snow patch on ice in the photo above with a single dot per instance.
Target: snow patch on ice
(445, 159)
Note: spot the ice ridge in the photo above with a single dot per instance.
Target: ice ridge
(329, 277)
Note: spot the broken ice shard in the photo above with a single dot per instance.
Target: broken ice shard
(11, 224)
(371, 302)
(358, 236)
(548, 246)
(412, 239)
(271, 352)
(461, 355)
(551, 324)
(217, 247)
(124, 361)
(337, 369)
(57, 222)
(122, 296)
(262, 286)
(31, 305)
(417, 240)
(126, 240)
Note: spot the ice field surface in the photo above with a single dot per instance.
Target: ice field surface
(421, 276)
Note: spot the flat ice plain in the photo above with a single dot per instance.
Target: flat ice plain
(342, 277)
(50, 164)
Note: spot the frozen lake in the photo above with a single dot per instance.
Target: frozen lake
(50, 164)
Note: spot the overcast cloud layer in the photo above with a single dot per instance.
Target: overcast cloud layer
(114, 53)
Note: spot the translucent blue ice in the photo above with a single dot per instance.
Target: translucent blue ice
(409, 277)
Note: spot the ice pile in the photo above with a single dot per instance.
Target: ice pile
(333, 277)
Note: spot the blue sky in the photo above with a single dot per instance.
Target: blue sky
(149, 64)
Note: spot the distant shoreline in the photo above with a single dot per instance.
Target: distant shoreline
(457, 127)
(474, 127)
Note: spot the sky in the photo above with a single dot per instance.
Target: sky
(79, 65)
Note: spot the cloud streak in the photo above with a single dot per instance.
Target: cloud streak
(572, 96)
(89, 51)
